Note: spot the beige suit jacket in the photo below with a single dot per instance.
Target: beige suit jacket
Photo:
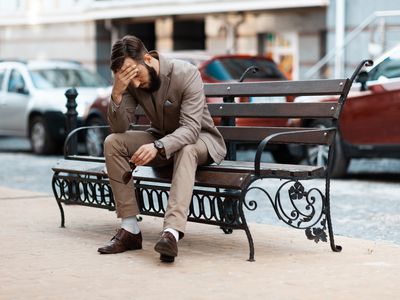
(179, 115)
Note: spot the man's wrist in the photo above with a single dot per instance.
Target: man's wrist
(160, 147)
(116, 98)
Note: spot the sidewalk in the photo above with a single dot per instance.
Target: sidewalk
(39, 260)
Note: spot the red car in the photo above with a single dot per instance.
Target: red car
(224, 68)
(221, 68)
(370, 125)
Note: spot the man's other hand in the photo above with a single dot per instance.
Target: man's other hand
(145, 154)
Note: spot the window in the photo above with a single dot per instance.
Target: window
(2, 73)
(232, 68)
(57, 78)
(389, 68)
(16, 83)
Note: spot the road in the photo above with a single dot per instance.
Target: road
(365, 204)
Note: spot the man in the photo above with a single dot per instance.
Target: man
(182, 133)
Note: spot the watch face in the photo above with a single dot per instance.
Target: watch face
(158, 144)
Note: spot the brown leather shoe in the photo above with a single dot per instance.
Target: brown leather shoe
(121, 242)
(167, 247)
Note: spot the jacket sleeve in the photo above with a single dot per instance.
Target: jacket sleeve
(121, 116)
(191, 114)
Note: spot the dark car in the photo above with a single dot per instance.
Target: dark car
(213, 69)
(370, 124)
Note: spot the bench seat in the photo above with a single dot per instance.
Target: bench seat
(228, 174)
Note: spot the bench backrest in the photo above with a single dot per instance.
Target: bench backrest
(228, 110)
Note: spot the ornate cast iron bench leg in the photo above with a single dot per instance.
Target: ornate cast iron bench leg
(334, 247)
(302, 209)
(248, 233)
(53, 185)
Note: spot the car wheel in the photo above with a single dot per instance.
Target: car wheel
(288, 154)
(95, 137)
(40, 139)
(318, 154)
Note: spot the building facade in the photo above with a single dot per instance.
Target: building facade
(295, 33)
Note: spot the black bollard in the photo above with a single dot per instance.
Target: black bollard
(72, 118)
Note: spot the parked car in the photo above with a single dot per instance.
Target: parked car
(220, 68)
(370, 124)
(32, 100)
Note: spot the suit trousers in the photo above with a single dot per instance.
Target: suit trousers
(119, 148)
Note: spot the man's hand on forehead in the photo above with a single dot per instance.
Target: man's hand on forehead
(122, 78)
(129, 69)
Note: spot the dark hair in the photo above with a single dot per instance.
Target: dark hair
(128, 46)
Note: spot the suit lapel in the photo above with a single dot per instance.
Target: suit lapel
(147, 104)
(160, 95)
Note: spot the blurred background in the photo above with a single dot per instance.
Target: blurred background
(296, 34)
(47, 46)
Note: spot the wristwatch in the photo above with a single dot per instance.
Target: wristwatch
(160, 147)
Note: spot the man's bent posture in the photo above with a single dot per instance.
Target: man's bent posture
(181, 133)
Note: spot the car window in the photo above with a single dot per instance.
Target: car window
(2, 74)
(216, 70)
(60, 78)
(233, 68)
(16, 83)
(389, 68)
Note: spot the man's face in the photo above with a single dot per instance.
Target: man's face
(146, 77)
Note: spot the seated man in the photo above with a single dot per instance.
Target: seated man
(182, 133)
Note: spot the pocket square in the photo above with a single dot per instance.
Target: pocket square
(167, 103)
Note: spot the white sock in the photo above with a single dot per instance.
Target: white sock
(130, 224)
(174, 232)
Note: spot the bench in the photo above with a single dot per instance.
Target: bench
(219, 196)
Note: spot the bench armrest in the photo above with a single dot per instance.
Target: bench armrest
(265, 141)
(72, 135)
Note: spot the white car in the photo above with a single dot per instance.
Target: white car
(33, 104)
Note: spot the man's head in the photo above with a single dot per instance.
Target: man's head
(130, 51)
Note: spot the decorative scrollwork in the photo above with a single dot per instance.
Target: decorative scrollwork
(250, 204)
(317, 234)
(207, 206)
(297, 207)
(296, 192)
(83, 189)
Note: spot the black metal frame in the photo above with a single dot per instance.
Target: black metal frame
(304, 209)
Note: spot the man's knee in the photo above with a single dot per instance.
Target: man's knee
(188, 151)
(111, 143)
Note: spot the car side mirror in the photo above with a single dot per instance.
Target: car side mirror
(363, 78)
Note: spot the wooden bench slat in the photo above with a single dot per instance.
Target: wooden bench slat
(274, 110)
(250, 134)
(80, 167)
(231, 180)
(229, 174)
(270, 110)
(256, 134)
(267, 168)
(276, 88)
